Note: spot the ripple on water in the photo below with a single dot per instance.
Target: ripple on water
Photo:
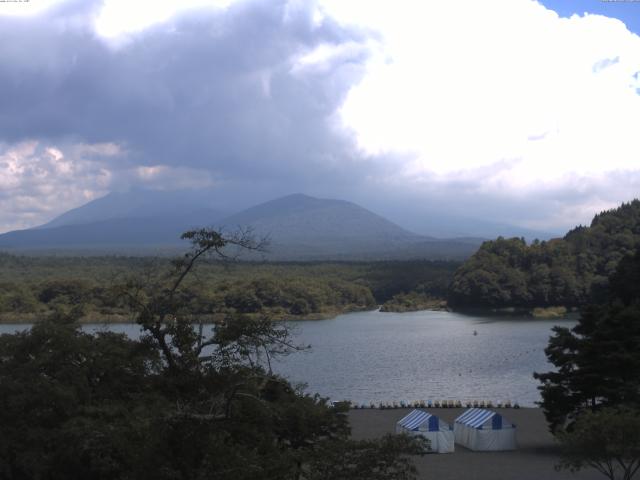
(375, 356)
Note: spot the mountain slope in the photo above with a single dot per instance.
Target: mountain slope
(565, 271)
(112, 234)
(139, 203)
(303, 220)
(299, 228)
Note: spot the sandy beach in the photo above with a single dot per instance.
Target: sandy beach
(534, 459)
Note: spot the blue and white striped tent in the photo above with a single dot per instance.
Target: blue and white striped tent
(484, 430)
(439, 433)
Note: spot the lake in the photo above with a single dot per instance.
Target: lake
(384, 357)
(375, 356)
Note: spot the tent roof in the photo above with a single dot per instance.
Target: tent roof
(475, 417)
(415, 419)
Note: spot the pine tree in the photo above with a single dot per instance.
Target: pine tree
(597, 361)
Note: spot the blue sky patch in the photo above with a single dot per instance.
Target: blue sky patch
(626, 10)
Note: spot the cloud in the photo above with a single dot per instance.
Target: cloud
(38, 181)
(120, 20)
(508, 81)
(218, 90)
(508, 104)
(507, 112)
(209, 97)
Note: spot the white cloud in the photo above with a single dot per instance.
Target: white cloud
(25, 8)
(39, 181)
(118, 20)
(467, 85)
(164, 177)
(324, 57)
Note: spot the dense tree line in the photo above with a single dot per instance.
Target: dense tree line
(33, 287)
(566, 271)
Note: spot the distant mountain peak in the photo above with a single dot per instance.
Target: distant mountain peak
(300, 200)
(300, 226)
(295, 197)
(137, 203)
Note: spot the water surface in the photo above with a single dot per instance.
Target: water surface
(374, 356)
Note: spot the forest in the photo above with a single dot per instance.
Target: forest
(568, 271)
(32, 288)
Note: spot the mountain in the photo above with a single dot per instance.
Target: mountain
(303, 220)
(437, 221)
(299, 227)
(136, 221)
(117, 234)
(440, 225)
(569, 271)
(144, 203)
(303, 227)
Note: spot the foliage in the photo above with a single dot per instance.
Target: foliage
(73, 405)
(32, 288)
(412, 302)
(566, 271)
(384, 458)
(607, 440)
(180, 403)
(386, 279)
(597, 361)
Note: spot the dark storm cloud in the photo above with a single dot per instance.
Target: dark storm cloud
(212, 89)
(218, 99)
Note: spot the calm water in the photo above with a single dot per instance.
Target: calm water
(374, 356)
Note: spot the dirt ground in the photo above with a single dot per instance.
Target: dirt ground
(534, 459)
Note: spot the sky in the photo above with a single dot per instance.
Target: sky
(512, 111)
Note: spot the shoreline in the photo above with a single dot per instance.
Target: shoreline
(550, 313)
(441, 305)
(119, 319)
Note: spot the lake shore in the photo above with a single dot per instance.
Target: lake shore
(417, 303)
(97, 318)
(535, 458)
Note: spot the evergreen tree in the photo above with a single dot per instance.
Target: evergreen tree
(597, 361)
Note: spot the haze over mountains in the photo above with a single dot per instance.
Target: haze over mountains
(143, 203)
(299, 227)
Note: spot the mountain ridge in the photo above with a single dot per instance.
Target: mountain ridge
(300, 227)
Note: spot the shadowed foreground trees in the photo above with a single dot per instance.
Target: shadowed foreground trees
(597, 361)
(592, 399)
(607, 440)
(180, 403)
